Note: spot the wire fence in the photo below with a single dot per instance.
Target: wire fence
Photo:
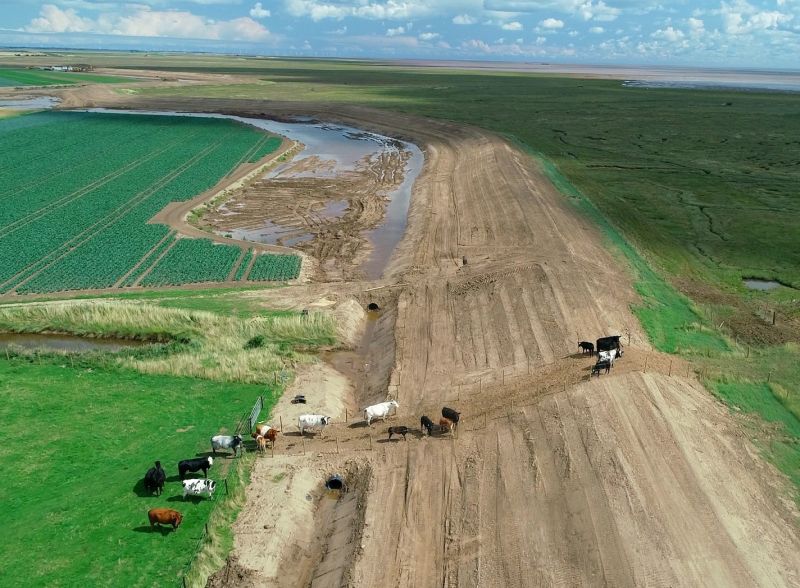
(234, 475)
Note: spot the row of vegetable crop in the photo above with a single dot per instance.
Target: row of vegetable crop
(86, 224)
(268, 267)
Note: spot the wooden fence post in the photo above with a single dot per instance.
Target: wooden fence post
(281, 419)
(769, 376)
(345, 416)
(370, 441)
(337, 443)
(670, 368)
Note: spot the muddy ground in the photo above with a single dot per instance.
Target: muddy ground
(638, 477)
(328, 216)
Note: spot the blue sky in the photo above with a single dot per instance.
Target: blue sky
(729, 33)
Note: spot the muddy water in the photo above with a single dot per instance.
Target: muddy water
(68, 343)
(38, 103)
(340, 149)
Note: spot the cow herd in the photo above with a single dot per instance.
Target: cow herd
(155, 478)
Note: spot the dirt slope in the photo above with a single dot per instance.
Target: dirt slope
(633, 479)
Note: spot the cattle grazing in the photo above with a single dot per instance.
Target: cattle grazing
(426, 424)
(164, 516)
(198, 488)
(601, 365)
(586, 347)
(312, 421)
(400, 430)
(446, 425)
(154, 479)
(227, 442)
(195, 465)
(451, 415)
(380, 411)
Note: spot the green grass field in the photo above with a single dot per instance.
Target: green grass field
(32, 77)
(78, 443)
(78, 190)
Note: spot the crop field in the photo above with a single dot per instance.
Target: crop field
(275, 267)
(75, 501)
(79, 189)
(28, 77)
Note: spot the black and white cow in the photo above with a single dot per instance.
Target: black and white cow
(227, 442)
(199, 488)
(195, 465)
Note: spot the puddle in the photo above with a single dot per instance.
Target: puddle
(38, 103)
(763, 285)
(69, 343)
(271, 233)
(334, 209)
(340, 148)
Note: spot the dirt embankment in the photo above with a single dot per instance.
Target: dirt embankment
(636, 478)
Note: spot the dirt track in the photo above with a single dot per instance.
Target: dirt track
(631, 479)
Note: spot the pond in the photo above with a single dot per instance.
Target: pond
(68, 343)
(758, 284)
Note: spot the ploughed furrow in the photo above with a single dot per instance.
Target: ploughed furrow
(75, 242)
(540, 337)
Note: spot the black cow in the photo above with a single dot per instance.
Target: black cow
(154, 479)
(586, 347)
(427, 424)
(194, 465)
(451, 415)
(601, 365)
(399, 430)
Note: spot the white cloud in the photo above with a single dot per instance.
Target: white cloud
(476, 44)
(395, 31)
(258, 11)
(376, 9)
(464, 19)
(144, 22)
(598, 11)
(511, 26)
(551, 23)
(669, 34)
(428, 36)
(740, 18)
(597, 30)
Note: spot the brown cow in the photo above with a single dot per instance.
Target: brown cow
(164, 516)
(446, 425)
(261, 429)
(261, 440)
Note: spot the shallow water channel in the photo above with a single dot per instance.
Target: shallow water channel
(69, 343)
(341, 148)
(37, 103)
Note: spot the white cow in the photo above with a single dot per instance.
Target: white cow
(227, 442)
(312, 421)
(198, 488)
(380, 411)
(608, 356)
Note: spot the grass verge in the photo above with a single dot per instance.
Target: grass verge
(75, 512)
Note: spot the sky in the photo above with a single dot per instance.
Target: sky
(713, 33)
